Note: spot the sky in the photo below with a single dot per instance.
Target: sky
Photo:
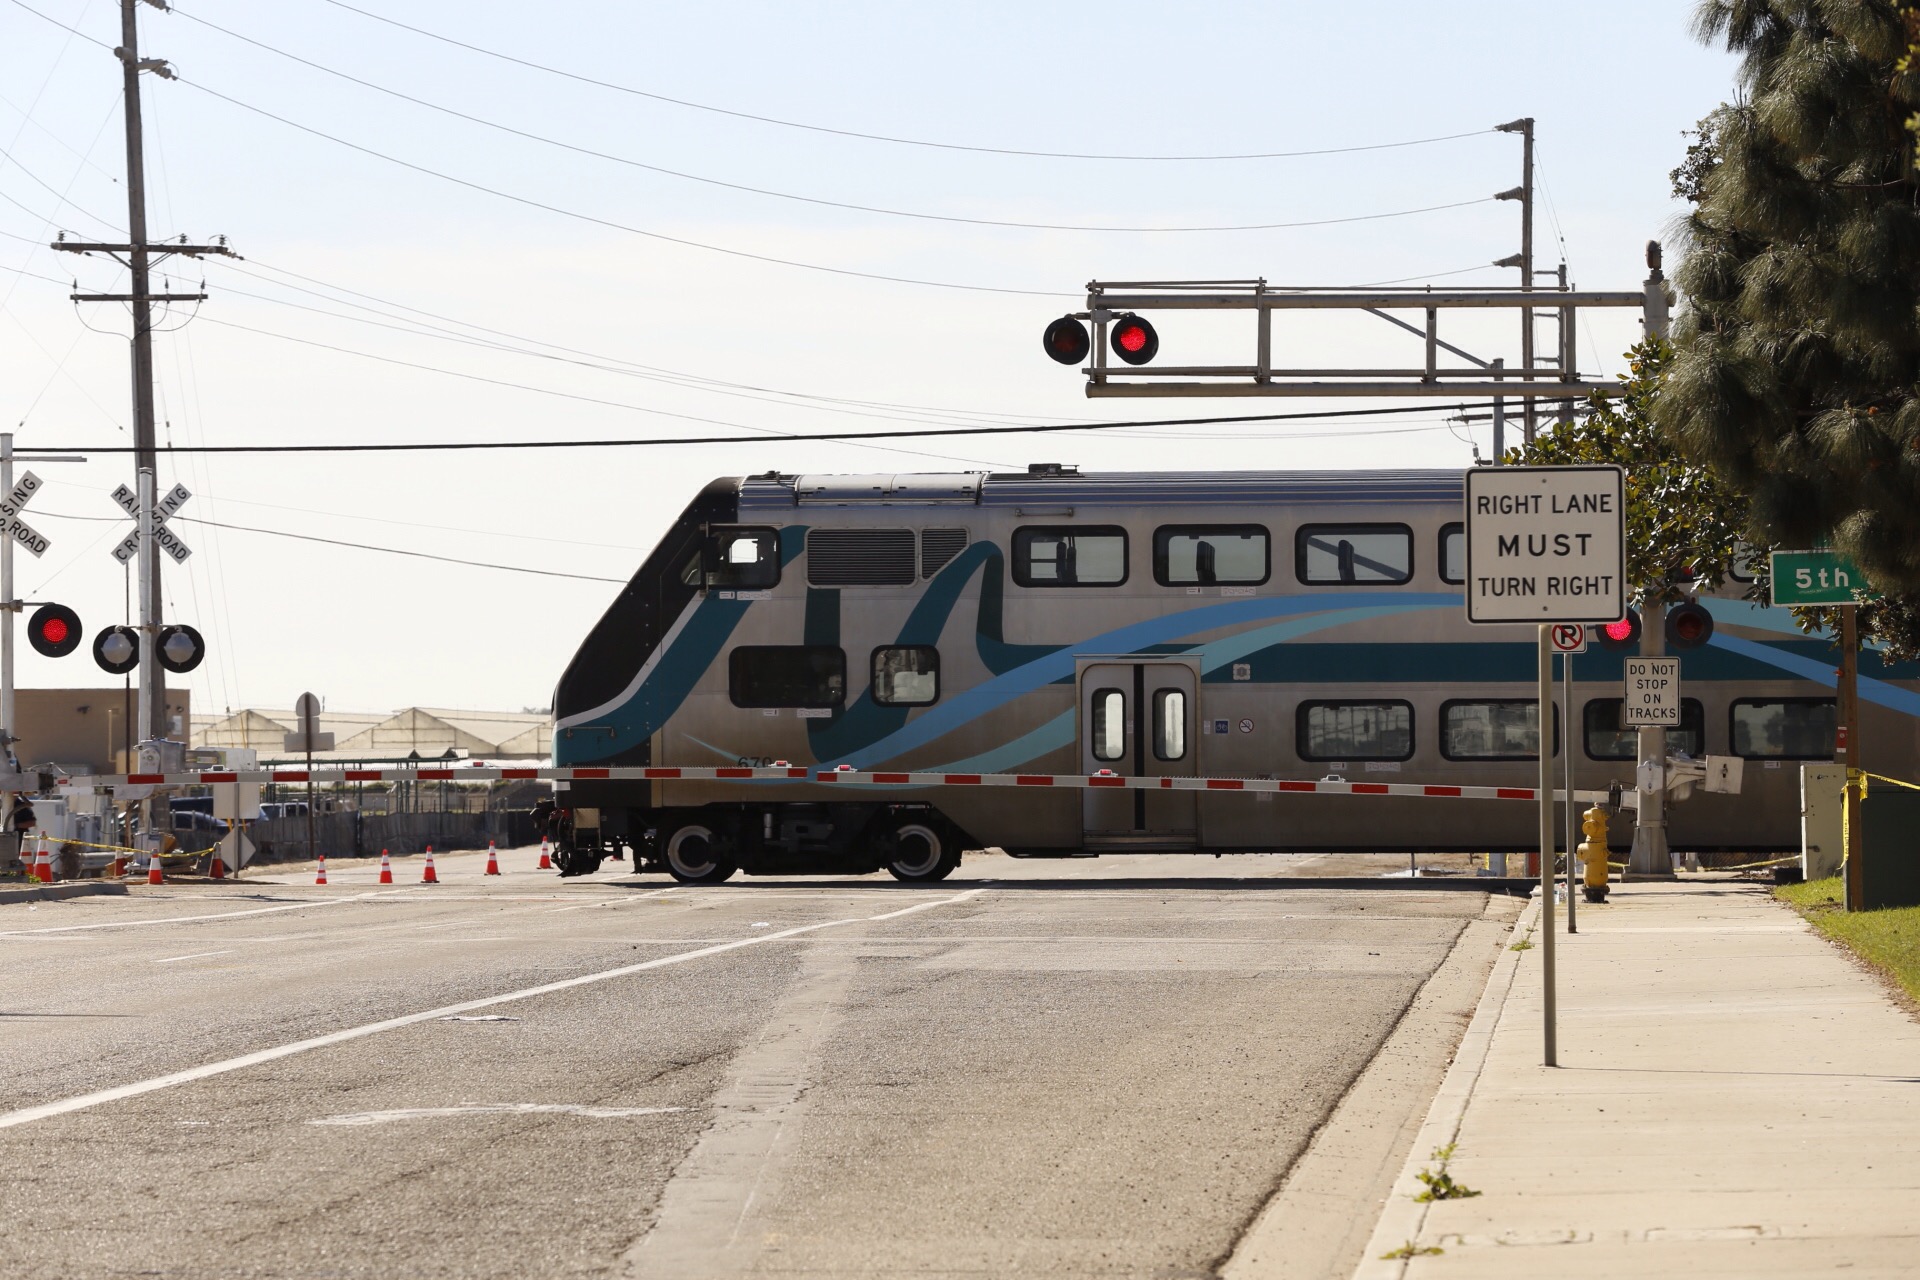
(529, 272)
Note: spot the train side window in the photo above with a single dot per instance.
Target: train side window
(1109, 725)
(906, 675)
(1606, 740)
(787, 675)
(1350, 730)
(1493, 729)
(1095, 556)
(1211, 555)
(741, 557)
(1453, 553)
(1354, 554)
(1782, 728)
(1170, 724)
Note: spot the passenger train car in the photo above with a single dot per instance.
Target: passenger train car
(1257, 624)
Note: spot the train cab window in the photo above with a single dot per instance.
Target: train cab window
(906, 675)
(741, 557)
(1095, 556)
(1348, 730)
(1494, 729)
(1170, 724)
(1606, 740)
(1109, 725)
(787, 675)
(1783, 728)
(1453, 553)
(1354, 554)
(1210, 555)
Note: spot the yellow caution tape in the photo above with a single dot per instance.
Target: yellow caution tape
(1893, 781)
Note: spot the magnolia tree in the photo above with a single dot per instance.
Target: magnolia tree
(1686, 529)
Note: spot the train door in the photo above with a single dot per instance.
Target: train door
(1139, 718)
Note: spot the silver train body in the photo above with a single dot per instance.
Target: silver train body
(1265, 624)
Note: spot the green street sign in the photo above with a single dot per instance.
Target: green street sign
(1815, 577)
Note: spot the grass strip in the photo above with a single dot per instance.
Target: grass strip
(1889, 940)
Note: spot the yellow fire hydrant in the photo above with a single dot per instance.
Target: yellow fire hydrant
(1593, 851)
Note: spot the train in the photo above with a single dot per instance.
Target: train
(1259, 624)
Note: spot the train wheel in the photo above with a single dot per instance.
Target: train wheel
(693, 856)
(922, 852)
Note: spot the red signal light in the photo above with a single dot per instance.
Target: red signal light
(1689, 626)
(1066, 341)
(1134, 340)
(54, 630)
(1624, 634)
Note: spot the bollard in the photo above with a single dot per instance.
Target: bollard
(1593, 851)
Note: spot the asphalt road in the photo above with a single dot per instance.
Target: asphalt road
(1048, 1069)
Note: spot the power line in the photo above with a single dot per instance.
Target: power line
(610, 224)
(573, 213)
(834, 437)
(813, 200)
(769, 432)
(357, 546)
(706, 381)
(881, 137)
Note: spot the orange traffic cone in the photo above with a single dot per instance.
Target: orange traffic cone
(154, 874)
(216, 869)
(493, 860)
(546, 863)
(386, 869)
(43, 864)
(321, 876)
(427, 876)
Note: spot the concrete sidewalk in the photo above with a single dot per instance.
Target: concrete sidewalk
(1734, 1098)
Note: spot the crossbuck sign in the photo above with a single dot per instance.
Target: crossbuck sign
(166, 539)
(1546, 544)
(12, 526)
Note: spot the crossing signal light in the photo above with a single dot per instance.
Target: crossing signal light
(1066, 340)
(181, 648)
(1689, 626)
(1133, 340)
(54, 630)
(1621, 635)
(117, 650)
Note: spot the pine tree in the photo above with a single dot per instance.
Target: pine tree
(1796, 376)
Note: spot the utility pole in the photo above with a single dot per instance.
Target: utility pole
(139, 258)
(1524, 194)
(1650, 855)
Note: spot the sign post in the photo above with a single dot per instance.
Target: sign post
(309, 739)
(1546, 545)
(1569, 638)
(1825, 577)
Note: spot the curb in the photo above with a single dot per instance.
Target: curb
(1403, 1216)
(70, 889)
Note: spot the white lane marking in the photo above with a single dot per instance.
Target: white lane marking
(614, 902)
(198, 955)
(27, 1115)
(494, 1108)
(219, 915)
(907, 911)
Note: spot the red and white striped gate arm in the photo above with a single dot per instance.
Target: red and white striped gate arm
(1269, 786)
(842, 776)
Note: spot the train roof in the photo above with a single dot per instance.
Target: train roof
(1050, 483)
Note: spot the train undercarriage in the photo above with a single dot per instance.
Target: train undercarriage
(710, 843)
